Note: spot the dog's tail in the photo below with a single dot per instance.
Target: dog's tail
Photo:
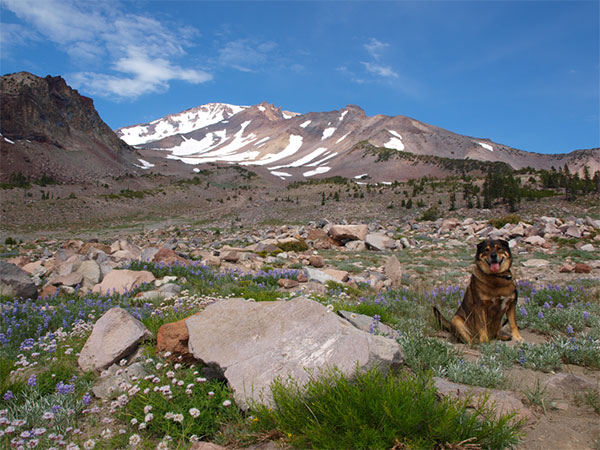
(442, 322)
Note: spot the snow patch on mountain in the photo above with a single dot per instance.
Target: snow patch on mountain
(293, 146)
(262, 141)
(305, 159)
(327, 132)
(145, 164)
(343, 114)
(321, 161)
(486, 146)
(342, 138)
(181, 123)
(281, 175)
(395, 143)
(305, 124)
(316, 171)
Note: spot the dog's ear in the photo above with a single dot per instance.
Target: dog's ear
(505, 245)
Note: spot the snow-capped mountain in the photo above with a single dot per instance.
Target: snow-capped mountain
(180, 123)
(344, 142)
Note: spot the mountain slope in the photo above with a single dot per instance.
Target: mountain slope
(297, 146)
(49, 128)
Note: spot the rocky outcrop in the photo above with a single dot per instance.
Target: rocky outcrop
(251, 344)
(56, 131)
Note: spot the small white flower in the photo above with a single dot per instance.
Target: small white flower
(227, 403)
(142, 426)
(106, 434)
(133, 421)
(178, 418)
(146, 391)
(177, 366)
(147, 409)
(123, 362)
(194, 412)
(89, 444)
(211, 393)
(134, 439)
(148, 417)
(170, 374)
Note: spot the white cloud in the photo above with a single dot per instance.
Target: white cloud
(139, 74)
(245, 55)
(375, 48)
(90, 32)
(382, 71)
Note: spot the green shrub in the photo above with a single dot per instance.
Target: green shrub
(501, 221)
(433, 213)
(377, 411)
(297, 246)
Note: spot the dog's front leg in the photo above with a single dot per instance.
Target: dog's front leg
(461, 331)
(511, 314)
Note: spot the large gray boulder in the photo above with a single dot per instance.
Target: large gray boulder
(251, 344)
(115, 336)
(15, 282)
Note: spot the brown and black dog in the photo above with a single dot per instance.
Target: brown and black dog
(492, 292)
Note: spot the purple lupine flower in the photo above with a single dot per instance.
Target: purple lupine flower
(541, 315)
(86, 399)
(570, 329)
(32, 381)
(523, 311)
(8, 396)
(63, 388)
(546, 305)
(586, 315)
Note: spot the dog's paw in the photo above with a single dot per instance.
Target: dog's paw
(518, 338)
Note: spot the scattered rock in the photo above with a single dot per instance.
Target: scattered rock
(393, 270)
(72, 279)
(168, 257)
(587, 248)
(252, 343)
(316, 261)
(122, 281)
(568, 382)
(505, 401)
(173, 337)
(348, 232)
(535, 240)
(15, 282)
(379, 241)
(582, 268)
(114, 336)
(370, 325)
(535, 263)
(288, 283)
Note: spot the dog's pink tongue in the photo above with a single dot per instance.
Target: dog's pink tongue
(495, 267)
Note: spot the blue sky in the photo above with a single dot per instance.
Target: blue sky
(522, 73)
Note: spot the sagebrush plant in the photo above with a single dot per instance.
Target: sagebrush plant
(378, 411)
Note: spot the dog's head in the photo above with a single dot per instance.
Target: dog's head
(493, 256)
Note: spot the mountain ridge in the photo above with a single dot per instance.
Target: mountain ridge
(316, 143)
